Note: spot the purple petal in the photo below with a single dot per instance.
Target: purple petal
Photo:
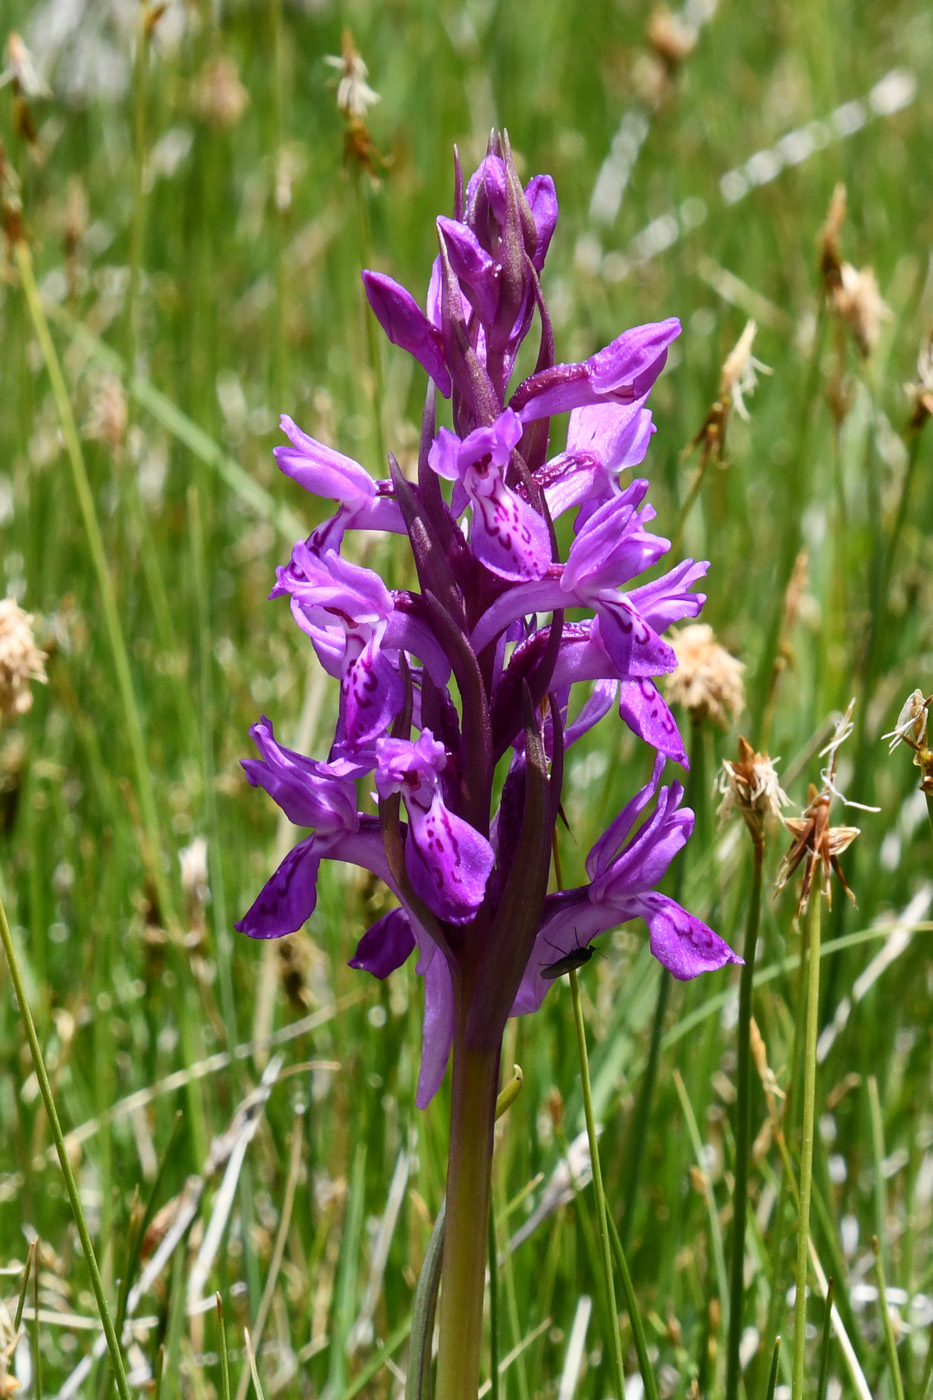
(542, 200)
(329, 587)
(373, 693)
(486, 192)
(308, 792)
(670, 598)
(322, 470)
(634, 648)
(406, 325)
(448, 861)
(477, 273)
(645, 713)
(613, 545)
(438, 1030)
(444, 455)
(289, 897)
(682, 943)
(634, 359)
(618, 434)
(623, 372)
(385, 945)
(508, 535)
(642, 863)
(605, 852)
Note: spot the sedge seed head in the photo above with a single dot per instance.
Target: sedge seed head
(708, 679)
(20, 659)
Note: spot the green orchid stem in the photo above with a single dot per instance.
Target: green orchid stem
(71, 1186)
(602, 1218)
(930, 811)
(743, 1125)
(806, 1143)
(466, 1238)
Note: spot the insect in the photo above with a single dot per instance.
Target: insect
(569, 962)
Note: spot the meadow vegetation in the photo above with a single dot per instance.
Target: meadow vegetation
(196, 220)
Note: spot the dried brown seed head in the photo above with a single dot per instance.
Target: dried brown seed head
(817, 844)
(750, 786)
(20, 659)
(671, 38)
(857, 300)
(830, 256)
(218, 96)
(107, 416)
(21, 66)
(708, 680)
(920, 392)
(740, 371)
(354, 95)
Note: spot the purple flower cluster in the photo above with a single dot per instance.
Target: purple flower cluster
(489, 615)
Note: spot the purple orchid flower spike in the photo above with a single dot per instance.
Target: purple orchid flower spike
(395, 652)
(460, 694)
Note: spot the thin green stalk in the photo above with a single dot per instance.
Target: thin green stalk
(36, 1342)
(877, 1152)
(159, 1374)
(32, 1258)
(634, 1315)
(806, 1143)
(602, 1214)
(119, 653)
(823, 1377)
(138, 1227)
(347, 1273)
(797, 1056)
(772, 1377)
(253, 1368)
(690, 500)
(469, 1186)
(929, 799)
(889, 1339)
(224, 1359)
(423, 1308)
(900, 519)
(743, 1124)
(71, 1186)
(590, 1243)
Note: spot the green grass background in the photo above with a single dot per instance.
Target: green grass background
(242, 309)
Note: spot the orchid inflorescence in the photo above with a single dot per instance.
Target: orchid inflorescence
(489, 616)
